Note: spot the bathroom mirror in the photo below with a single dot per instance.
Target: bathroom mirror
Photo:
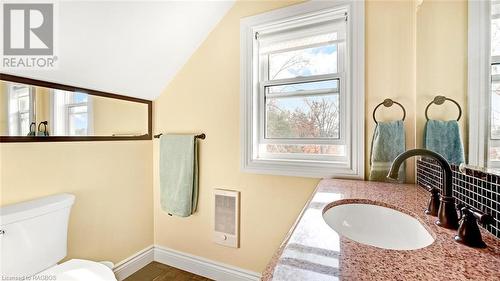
(443, 58)
(441, 63)
(38, 111)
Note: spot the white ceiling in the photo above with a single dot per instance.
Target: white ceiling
(128, 48)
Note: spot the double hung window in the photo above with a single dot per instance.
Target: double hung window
(302, 91)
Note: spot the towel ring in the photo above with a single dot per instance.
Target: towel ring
(439, 100)
(32, 129)
(44, 123)
(388, 103)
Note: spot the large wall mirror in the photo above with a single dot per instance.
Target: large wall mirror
(34, 110)
(458, 56)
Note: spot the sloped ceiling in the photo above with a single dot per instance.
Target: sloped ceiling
(128, 48)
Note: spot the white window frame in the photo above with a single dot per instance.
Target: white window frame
(66, 114)
(479, 82)
(353, 164)
(31, 110)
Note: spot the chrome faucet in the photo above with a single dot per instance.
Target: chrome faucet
(447, 213)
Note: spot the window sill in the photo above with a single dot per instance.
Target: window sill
(310, 169)
(494, 164)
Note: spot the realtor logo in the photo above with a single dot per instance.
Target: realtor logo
(28, 29)
(28, 35)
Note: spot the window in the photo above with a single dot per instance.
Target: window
(71, 113)
(494, 142)
(302, 90)
(20, 109)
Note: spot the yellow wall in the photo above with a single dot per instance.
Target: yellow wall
(113, 116)
(390, 37)
(42, 103)
(204, 97)
(112, 216)
(442, 61)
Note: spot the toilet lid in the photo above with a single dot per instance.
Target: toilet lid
(79, 270)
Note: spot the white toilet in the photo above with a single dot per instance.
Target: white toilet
(33, 238)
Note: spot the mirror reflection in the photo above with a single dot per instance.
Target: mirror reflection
(494, 153)
(445, 68)
(27, 110)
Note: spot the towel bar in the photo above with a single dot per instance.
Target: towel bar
(439, 100)
(388, 103)
(200, 136)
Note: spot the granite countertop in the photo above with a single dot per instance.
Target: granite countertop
(314, 251)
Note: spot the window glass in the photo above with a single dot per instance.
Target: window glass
(495, 69)
(495, 111)
(20, 113)
(303, 117)
(495, 153)
(305, 149)
(23, 103)
(494, 143)
(301, 74)
(71, 116)
(495, 36)
(24, 122)
(79, 97)
(303, 62)
(78, 121)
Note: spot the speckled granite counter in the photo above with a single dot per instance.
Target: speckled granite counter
(314, 251)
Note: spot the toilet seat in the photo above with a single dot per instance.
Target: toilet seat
(78, 270)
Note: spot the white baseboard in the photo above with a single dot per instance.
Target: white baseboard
(201, 266)
(133, 263)
(190, 263)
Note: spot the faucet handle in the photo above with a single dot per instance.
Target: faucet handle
(433, 206)
(468, 231)
(482, 217)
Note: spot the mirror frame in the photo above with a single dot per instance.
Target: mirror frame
(46, 84)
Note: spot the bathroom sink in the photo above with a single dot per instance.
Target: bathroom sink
(378, 226)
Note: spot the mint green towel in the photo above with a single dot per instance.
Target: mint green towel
(387, 143)
(178, 174)
(443, 137)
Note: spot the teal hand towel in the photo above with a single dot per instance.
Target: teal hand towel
(443, 137)
(387, 143)
(178, 174)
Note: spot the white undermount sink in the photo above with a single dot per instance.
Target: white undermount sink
(378, 226)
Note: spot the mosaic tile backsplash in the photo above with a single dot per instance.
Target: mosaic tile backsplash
(475, 189)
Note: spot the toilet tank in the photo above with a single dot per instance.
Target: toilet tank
(33, 234)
